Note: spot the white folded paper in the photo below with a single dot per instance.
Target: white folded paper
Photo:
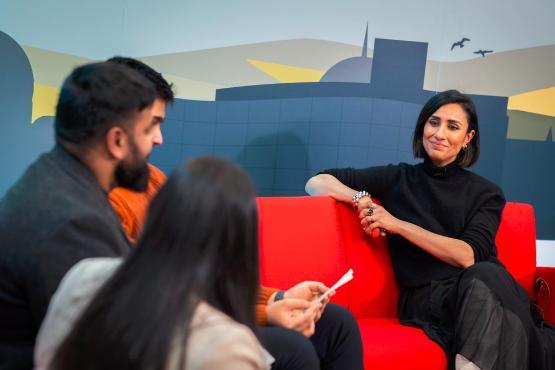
(344, 280)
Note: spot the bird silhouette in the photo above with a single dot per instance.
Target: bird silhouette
(483, 52)
(459, 43)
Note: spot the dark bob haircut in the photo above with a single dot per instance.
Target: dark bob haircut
(97, 96)
(465, 158)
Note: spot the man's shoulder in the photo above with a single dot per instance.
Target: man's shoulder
(35, 212)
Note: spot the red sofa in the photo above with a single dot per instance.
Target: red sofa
(317, 238)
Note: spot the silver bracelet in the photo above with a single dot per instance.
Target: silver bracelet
(359, 195)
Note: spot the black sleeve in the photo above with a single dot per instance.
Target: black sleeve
(375, 180)
(77, 239)
(482, 228)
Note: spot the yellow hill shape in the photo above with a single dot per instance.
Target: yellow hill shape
(537, 101)
(44, 101)
(286, 73)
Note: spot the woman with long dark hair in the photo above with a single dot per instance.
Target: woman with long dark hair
(184, 298)
(442, 221)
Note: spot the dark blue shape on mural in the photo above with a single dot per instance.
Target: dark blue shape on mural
(528, 176)
(398, 68)
(20, 142)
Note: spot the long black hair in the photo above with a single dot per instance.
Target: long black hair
(465, 158)
(200, 243)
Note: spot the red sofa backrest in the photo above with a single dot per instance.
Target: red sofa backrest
(373, 290)
(516, 243)
(301, 239)
(317, 238)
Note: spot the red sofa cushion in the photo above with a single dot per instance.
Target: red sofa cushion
(389, 345)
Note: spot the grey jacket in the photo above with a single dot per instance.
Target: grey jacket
(54, 216)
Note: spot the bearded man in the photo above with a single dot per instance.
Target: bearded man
(58, 212)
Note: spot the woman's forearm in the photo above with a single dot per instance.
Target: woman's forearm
(325, 184)
(449, 250)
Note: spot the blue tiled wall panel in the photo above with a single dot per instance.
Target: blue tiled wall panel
(386, 112)
(357, 110)
(384, 137)
(409, 114)
(327, 110)
(266, 192)
(405, 139)
(200, 111)
(322, 133)
(290, 179)
(407, 157)
(192, 151)
(491, 109)
(292, 156)
(525, 161)
(233, 153)
(199, 133)
(263, 178)
(166, 155)
(176, 110)
(233, 111)
(262, 133)
(296, 110)
(356, 134)
(282, 142)
(166, 169)
(172, 130)
(297, 192)
(294, 133)
(381, 157)
(231, 134)
(264, 111)
(352, 156)
(259, 156)
(322, 157)
(491, 154)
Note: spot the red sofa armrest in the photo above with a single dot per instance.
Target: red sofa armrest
(546, 293)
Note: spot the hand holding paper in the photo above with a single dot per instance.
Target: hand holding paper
(344, 279)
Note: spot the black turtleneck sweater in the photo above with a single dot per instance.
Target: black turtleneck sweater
(449, 201)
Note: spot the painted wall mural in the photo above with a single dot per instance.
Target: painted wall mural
(287, 108)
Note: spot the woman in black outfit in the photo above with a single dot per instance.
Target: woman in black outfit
(442, 221)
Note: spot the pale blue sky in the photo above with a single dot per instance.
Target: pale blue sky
(101, 28)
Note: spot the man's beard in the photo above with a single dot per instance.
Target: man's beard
(134, 173)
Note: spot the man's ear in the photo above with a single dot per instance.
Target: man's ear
(116, 142)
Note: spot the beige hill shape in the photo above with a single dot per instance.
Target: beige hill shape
(197, 74)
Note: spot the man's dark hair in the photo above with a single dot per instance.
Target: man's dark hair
(465, 158)
(98, 96)
(163, 88)
(134, 320)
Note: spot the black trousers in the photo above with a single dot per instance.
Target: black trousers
(484, 315)
(336, 344)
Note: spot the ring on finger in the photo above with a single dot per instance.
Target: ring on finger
(370, 211)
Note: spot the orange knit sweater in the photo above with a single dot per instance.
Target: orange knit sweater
(132, 206)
